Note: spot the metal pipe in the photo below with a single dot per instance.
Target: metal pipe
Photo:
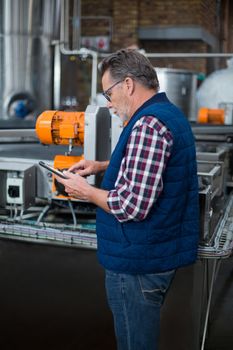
(65, 25)
(56, 77)
(214, 274)
(189, 55)
(18, 133)
(29, 48)
(181, 55)
(84, 53)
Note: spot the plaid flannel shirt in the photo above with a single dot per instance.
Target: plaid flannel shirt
(139, 182)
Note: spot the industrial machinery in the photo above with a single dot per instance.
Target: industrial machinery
(34, 209)
(61, 128)
(214, 159)
(48, 239)
(223, 115)
(210, 115)
(180, 86)
(30, 191)
(15, 179)
(92, 135)
(26, 31)
(89, 130)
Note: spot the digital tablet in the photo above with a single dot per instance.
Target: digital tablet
(53, 170)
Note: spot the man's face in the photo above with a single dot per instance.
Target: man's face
(115, 92)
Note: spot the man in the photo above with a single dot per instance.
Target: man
(147, 220)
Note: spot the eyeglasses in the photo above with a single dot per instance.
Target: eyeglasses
(106, 92)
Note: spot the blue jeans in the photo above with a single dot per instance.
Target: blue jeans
(135, 301)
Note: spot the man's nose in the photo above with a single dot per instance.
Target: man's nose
(109, 104)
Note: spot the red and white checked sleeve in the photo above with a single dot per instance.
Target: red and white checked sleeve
(139, 182)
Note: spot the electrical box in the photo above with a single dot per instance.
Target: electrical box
(18, 184)
(14, 190)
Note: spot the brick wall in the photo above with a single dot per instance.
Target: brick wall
(169, 13)
(120, 20)
(125, 23)
(209, 13)
(96, 8)
(97, 25)
(127, 16)
(183, 13)
(193, 64)
(230, 33)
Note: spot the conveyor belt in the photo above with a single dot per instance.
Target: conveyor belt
(83, 236)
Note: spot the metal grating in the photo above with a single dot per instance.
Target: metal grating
(221, 245)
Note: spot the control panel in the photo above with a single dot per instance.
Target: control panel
(18, 183)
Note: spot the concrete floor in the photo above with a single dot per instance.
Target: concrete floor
(52, 298)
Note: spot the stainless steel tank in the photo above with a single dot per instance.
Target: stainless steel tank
(26, 57)
(180, 86)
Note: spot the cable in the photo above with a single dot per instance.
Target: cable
(44, 211)
(73, 213)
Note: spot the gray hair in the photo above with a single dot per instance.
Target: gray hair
(130, 63)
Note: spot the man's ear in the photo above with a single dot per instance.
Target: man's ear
(130, 85)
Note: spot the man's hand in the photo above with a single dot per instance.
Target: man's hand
(76, 186)
(88, 167)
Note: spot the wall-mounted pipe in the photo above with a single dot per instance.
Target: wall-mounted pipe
(181, 55)
(72, 47)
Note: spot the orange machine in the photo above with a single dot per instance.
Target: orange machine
(212, 116)
(61, 128)
(90, 129)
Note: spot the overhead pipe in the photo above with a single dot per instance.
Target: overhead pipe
(82, 52)
(182, 55)
(189, 55)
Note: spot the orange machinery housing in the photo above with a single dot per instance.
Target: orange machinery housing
(61, 128)
(211, 116)
(90, 129)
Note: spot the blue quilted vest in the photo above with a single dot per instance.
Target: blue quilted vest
(168, 237)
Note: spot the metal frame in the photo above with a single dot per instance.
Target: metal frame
(221, 249)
